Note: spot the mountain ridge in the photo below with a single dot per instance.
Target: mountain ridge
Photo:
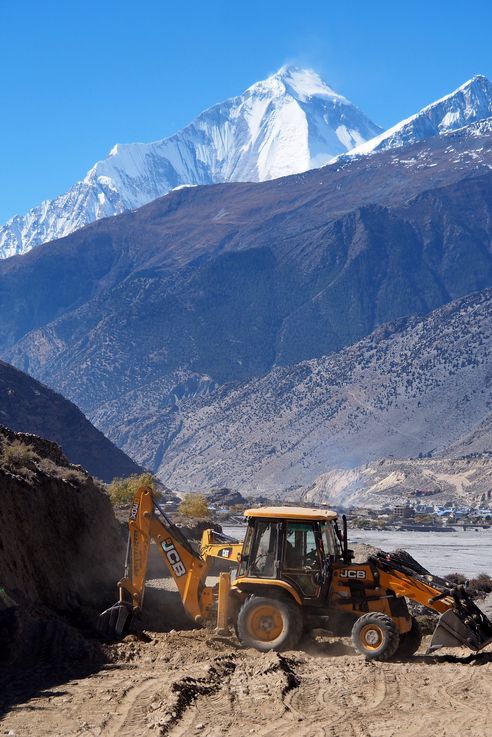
(218, 284)
(27, 406)
(290, 122)
(469, 103)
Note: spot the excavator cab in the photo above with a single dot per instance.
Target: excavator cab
(290, 548)
(296, 573)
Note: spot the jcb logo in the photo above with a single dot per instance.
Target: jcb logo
(352, 573)
(173, 558)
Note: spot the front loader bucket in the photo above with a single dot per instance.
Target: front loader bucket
(114, 622)
(455, 629)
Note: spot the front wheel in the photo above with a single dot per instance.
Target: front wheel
(269, 624)
(375, 635)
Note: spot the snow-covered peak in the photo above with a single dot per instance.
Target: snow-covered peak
(288, 123)
(469, 103)
(302, 84)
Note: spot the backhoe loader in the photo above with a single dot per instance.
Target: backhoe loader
(293, 573)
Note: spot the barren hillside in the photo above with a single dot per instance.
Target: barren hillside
(411, 388)
(466, 481)
(219, 284)
(28, 406)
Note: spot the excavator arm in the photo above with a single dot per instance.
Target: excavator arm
(188, 568)
(216, 545)
(461, 622)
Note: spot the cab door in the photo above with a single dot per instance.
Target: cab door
(261, 550)
(301, 559)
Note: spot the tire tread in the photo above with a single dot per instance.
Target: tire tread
(294, 619)
(387, 624)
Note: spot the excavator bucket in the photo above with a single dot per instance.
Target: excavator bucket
(468, 627)
(114, 622)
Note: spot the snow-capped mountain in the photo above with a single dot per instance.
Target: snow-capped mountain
(286, 124)
(469, 103)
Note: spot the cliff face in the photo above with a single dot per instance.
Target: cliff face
(60, 545)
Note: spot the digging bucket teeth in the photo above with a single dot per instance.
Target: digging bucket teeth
(114, 622)
(464, 625)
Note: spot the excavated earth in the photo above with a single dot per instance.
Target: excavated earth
(195, 682)
(62, 549)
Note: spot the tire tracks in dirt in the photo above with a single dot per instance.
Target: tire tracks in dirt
(195, 683)
(132, 710)
(188, 689)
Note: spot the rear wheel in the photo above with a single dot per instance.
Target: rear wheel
(269, 624)
(409, 641)
(375, 635)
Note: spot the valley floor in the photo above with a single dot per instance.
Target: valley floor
(195, 682)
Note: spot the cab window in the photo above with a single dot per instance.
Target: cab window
(264, 549)
(330, 541)
(300, 546)
(301, 561)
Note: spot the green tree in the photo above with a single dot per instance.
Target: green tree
(194, 505)
(122, 491)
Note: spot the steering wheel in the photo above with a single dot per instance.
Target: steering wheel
(311, 559)
(260, 561)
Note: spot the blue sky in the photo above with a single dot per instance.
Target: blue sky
(78, 77)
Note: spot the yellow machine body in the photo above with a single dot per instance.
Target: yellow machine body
(293, 570)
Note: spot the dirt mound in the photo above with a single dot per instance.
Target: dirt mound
(61, 553)
(193, 528)
(60, 544)
(33, 635)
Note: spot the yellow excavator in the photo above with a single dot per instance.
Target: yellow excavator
(294, 573)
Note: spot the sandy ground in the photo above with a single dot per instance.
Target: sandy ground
(194, 682)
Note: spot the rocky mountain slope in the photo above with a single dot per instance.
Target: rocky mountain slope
(468, 104)
(218, 284)
(288, 123)
(28, 406)
(465, 481)
(475, 443)
(410, 388)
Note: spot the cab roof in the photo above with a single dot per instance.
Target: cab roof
(320, 515)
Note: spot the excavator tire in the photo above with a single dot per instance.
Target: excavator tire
(376, 636)
(269, 624)
(409, 641)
